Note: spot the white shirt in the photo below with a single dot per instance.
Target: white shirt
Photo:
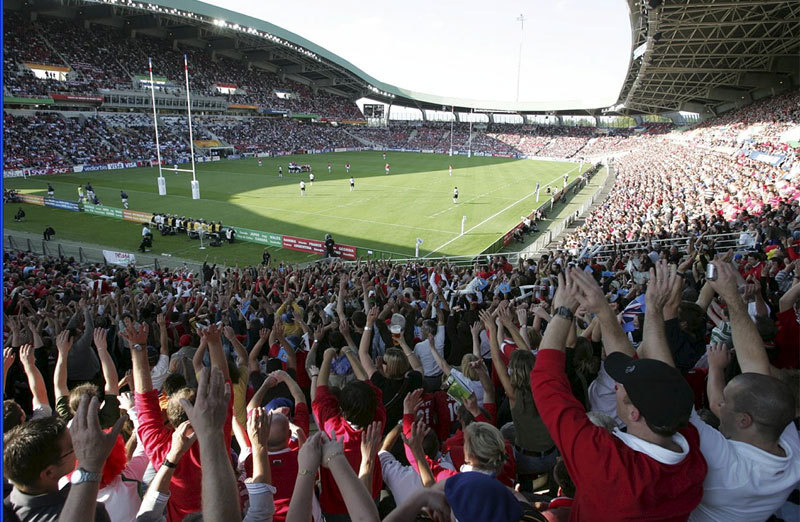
(302, 185)
(145, 231)
(603, 396)
(402, 480)
(423, 351)
(654, 451)
(159, 372)
(744, 482)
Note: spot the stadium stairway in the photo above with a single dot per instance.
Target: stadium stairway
(363, 141)
(577, 223)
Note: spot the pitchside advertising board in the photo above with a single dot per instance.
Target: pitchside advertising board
(313, 246)
(62, 204)
(257, 236)
(102, 210)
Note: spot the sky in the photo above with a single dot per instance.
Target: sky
(572, 50)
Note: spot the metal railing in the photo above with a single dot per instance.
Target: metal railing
(722, 242)
(22, 242)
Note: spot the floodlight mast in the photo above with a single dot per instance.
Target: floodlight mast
(162, 185)
(521, 20)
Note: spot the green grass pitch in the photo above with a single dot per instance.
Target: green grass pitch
(384, 213)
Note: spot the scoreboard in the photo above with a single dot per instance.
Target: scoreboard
(373, 110)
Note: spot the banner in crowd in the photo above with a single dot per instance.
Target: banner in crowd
(772, 159)
(13, 173)
(115, 166)
(313, 246)
(62, 204)
(102, 210)
(207, 144)
(257, 236)
(137, 217)
(32, 199)
(119, 258)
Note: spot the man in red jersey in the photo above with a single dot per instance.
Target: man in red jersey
(655, 470)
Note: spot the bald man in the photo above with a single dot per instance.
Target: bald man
(285, 438)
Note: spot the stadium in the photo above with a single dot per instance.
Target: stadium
(195, 195)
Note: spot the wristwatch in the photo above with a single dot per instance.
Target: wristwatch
(565, 312)
(80, 475)
(137, 347)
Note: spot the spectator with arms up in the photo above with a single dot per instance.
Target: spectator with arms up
(754, 458)
(653, 471)
(347, 416)
(157, 436)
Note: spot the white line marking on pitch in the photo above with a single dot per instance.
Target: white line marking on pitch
(284, 210)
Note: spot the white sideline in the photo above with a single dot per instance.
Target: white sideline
(496, 214)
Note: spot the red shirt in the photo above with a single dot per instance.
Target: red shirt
(326, 410)
(156, 437)
(788, 340)
(446, 408)
(613, 481)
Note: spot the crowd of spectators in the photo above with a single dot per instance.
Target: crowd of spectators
(101, 57)
(669, 189)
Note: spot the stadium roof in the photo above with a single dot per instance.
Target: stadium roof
(709, 55)
(700, 56)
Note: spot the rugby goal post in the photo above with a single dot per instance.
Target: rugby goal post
(162, 183)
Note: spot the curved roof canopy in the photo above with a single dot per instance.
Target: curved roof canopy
(701, 56)
(709, 55)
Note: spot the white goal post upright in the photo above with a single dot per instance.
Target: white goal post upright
(195, 184)
(162, 184)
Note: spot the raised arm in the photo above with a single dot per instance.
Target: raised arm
(136, 336)
(663, 290)
(791, 296)
(157, 495)
(325, 369)
(413, 359)
(508, 323)
(199, 354)
(351, 354)
(719, 357)
(253, 356)
(208, 416)
(591, 297)
(238, 347)
(215, 351)
(63, 344)
(366, 340)
(750, 351)
(163, 337)
(35, 379)
(497, 361)
(440, 362)
(106, 362)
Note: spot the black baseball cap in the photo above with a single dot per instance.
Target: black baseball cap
(658, 390)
